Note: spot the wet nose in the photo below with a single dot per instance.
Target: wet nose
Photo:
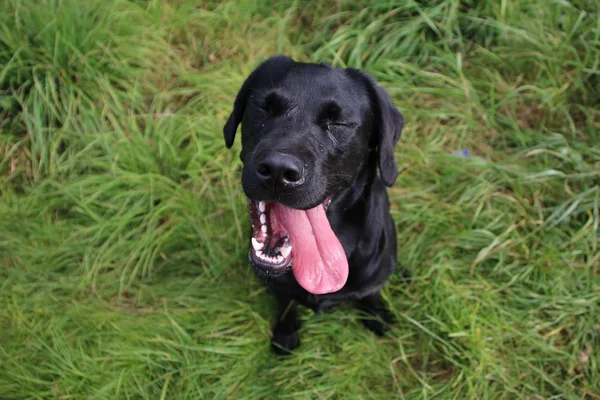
(280, 169)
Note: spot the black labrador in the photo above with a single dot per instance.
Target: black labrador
(313, 137)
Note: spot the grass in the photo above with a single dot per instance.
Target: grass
(123, 241)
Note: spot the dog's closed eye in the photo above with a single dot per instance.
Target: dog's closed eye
(274, 104)
(331, 116)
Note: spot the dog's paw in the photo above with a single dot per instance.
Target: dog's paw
(405, 276)
(378, 322)
(284, 342)
(375, 325)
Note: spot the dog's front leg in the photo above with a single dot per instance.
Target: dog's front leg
(378, 315)
(285, 333)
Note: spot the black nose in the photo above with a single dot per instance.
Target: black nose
(280, 169)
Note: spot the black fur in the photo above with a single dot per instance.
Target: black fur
(342, 127)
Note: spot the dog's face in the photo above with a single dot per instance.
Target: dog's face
(307, 132)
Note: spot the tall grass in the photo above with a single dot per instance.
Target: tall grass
(123, 243)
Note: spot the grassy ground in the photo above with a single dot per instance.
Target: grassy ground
(123, 241)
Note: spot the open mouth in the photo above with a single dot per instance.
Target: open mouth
(271, 246)
(284, 238)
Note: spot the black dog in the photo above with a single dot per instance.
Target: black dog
(312, 139)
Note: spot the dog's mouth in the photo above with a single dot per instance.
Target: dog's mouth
(284, 237)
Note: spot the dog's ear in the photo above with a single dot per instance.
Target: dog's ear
(387, 125)
(267, 72)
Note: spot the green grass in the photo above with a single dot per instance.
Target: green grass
(123, 243)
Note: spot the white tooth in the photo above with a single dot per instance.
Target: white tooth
(263, 228)
(279, 259)
(263, 219)
(257, 245)
(261, 206)
(285, 251)
(259, 253)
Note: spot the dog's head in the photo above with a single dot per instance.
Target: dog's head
(307, 132)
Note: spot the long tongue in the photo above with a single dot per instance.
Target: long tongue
(320, 265)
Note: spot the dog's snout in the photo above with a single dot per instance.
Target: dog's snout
(280, 169)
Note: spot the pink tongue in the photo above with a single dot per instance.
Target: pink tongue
(320, 265)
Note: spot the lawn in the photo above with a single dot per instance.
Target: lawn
(123, 230)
